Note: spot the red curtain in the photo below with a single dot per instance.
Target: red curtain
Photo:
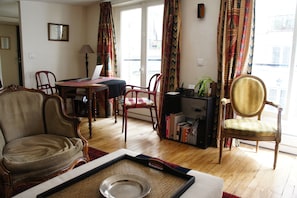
(170, 65)
(106, 41)
(106, 53)
(235, 40)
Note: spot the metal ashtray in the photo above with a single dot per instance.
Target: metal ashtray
(125, 186)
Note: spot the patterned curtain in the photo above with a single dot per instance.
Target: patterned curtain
(106, 41)
(170, 65)
(235, 40)
(106, 53)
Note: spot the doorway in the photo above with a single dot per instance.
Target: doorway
(11, 60)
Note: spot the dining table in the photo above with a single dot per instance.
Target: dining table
(111, 85)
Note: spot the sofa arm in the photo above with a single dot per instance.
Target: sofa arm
(57, 121)
(2, 143)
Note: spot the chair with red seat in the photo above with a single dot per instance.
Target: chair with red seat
(141, 97)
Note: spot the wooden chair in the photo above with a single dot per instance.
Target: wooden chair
(247, 99)
(141, 97)
(45, 81)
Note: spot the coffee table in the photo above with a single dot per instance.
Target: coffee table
(205, 185)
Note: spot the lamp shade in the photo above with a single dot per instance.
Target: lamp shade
(86, 49)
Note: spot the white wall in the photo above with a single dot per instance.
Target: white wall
(198, 40)
(61, 57)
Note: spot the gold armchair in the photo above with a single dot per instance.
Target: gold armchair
(247, 99)
(37, 139)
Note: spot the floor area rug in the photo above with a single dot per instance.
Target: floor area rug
(95, 153)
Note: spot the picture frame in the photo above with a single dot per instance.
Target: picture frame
(58, 32)
(4, 42)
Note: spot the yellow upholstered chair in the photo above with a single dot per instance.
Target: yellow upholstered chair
(247, 99)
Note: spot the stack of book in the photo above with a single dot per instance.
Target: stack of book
(180, 129)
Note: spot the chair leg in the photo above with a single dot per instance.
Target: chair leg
(94, 106)
(115, 109)
(275, 154)
(230, 146)
(221, 150)
(8, 193)
(123, 119)
(124, 124)
(156, 126)
(151, 112)
(257, 146)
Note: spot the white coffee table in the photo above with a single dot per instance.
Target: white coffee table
(205, 185)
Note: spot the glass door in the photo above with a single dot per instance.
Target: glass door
(275, 61)
(131, 45)
(140, 36)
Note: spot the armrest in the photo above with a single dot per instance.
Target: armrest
(274, 105)
(56, 120)
(224, 102)
(2, 143)
(279, 116)
(136, 87)
(137, 93)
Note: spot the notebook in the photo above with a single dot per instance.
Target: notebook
(97, 72)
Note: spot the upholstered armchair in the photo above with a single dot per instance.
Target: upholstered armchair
(248, 99)
(37, 139)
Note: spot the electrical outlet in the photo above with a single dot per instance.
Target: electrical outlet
(191, 86)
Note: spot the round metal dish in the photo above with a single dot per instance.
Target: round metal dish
(125, 186)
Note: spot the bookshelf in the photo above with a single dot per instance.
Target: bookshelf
(189, 119)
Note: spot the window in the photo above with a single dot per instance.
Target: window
(275, 57)
(139, 37)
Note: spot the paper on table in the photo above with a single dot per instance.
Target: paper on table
(172, 93)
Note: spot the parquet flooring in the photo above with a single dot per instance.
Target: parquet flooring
(245, 172)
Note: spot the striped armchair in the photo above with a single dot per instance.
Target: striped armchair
(247, 99)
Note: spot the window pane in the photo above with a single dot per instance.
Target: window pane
(273, 46)
(154, 40)
(131, 45)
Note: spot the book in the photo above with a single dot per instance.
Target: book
(192, 134)
(167, 131)
(179, 129)
(185, 130)
(175, 118)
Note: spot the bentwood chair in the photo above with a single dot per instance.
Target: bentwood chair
(45, 81)
(247, 99)
(141, 97)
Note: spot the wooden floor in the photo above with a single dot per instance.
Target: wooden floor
(245, 172)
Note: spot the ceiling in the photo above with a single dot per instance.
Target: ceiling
(9, 8)
(9, 12)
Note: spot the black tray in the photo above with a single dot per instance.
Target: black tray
(141, 159)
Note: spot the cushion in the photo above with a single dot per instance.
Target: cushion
(22, 108)
(40, 152)
(250, 127)
(141, 102)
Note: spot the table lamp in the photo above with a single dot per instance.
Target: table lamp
(85, 50)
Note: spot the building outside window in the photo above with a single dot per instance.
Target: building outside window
(275, 59)
(139, 39)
